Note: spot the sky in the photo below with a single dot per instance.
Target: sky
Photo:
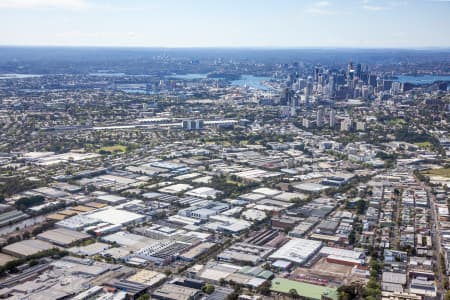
(227, 23)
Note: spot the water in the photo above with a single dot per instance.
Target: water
(422, 79)
(18, 76)
(189, 76)
(107, 74)
(138, 91)
(254, 82)
(250, 81)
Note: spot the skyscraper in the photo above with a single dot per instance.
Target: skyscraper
(358, 70)
(332, 118)
(319, 117)
(349, 69)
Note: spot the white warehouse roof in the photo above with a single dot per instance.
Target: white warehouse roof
(297, 250)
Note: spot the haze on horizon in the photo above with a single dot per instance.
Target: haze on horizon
(226, 23)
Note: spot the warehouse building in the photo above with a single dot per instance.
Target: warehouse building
(162, 252)
(77, 222)
(204, 192)
(197, 251)
(63, 237)
(298, 251)
(133, 289)
(147, 277)
(116, 216)
(27, 248)
(245, 253)
(176, 292)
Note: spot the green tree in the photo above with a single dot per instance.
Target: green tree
(351, 291)
(264, 289)
(222, 281)
(447, 295)
(33, 262)
(293, 294)
(26, 202)
(144, 297)
(208, 288)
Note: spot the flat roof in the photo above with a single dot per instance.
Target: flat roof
(95, 204)
(172, 291)
(27, 247)
(310, 187)
(176, 188)
(111, 198)
(115, 216)
(297, 250)
(204, 192)
(82, 208)
(267, 191)
(56, 217)
(147, 277)
(62, 236)
(342, 252)
(91, 249)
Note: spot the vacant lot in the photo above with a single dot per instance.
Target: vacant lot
(444, 172)
(334, 274)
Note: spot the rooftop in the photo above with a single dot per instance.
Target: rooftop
(306, 290)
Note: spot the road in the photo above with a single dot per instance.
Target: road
(395, 241)
(435, 233)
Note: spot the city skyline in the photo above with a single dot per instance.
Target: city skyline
(226, 24)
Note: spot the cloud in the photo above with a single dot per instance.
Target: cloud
(321, 8)
(322, 4)
(44, 4)
(373, 7)
(380, 5)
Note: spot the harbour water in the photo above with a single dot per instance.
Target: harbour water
(255, 82)
(422, 79)
(18, 76)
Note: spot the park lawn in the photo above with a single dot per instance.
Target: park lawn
(423, 144)
(114, 148)
(229, 181)
(394, 122)
(444, 172)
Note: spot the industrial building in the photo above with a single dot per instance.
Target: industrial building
(245, 253)
(297, 250)
(63, 237)
(27, 247)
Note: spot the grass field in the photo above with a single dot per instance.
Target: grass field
(229, 181)
(115, 148)
(394, 122)
(423, 144)
(444, 172)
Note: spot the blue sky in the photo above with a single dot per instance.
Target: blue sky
(227, 23)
